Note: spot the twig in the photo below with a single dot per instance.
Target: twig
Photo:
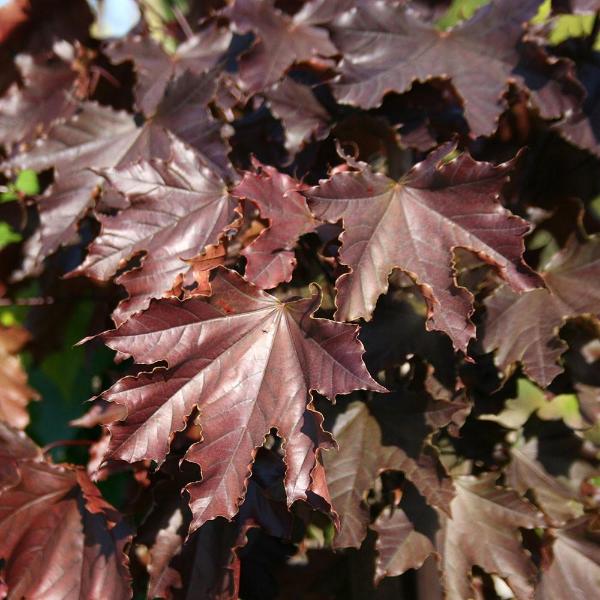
(183, 22)
(40, 301)
(59, 443)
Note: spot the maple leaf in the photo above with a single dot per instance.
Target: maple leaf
(388, 433)
(247, 361)
(46, 94)
(524, 473)
(15, 394)
(98, 137)
(390, 224)
(525, 328)
(496, 547)
(155, 68)
(59, 538)
(175, 208)
(207, 561)
(386, 47)
(282, 39)
(302, 115)
(399, 547)
(575, 568)
(270, 257)
(581, 126)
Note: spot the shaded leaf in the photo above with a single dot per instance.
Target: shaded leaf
(575, 568)
(59, 538)
(282, 40)
(207, 565)
(248, 362)
(154, 67)
(302, 115)
(47, 93)
(399, 547)
(582, 128)
(388, 433)
(525, 473)
(386, 47)
(525, 328)
(496, 547)
(390, 224)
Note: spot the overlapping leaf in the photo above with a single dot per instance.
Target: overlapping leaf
(388, 433)
(155, 68)
(175, 208)
(554, 497)
(301, 113)
(46, 94)
(525, 328)
(270, 258)
(248, 362)
(282, 39)
(15, 394)
(98, 137)
(59, 538)
(496, 547)
(581, 127)
(415, 224)
(399, 547)
(386, 47)
(575, 566)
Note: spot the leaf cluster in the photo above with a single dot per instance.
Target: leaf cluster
(345, 255)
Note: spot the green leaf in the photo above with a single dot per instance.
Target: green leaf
(531, 399)
(460, 10)
(27, 183)
(8, 196)
(8, 235)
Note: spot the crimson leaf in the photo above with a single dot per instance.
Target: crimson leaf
(282, 40)
(248, 362)
(387, 47)
(100, 138)
(175, 208)
(390, 224)
(155, 68)
(58, 537)
(524, 328)
(270, 258)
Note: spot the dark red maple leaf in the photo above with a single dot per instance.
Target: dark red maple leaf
(270, 257)
(47, 93)
(98, 137)
(582, 126)
(415, 224)
(399, 547)
(248, 362)
(498, 514)
(58, 537)
(524, 328)
(387, 433)
(386, 47)
(154, 67)
(175, 208)
(575, 563)
(207, 563)
(282, 39)
(302, 115)
(15, 394)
